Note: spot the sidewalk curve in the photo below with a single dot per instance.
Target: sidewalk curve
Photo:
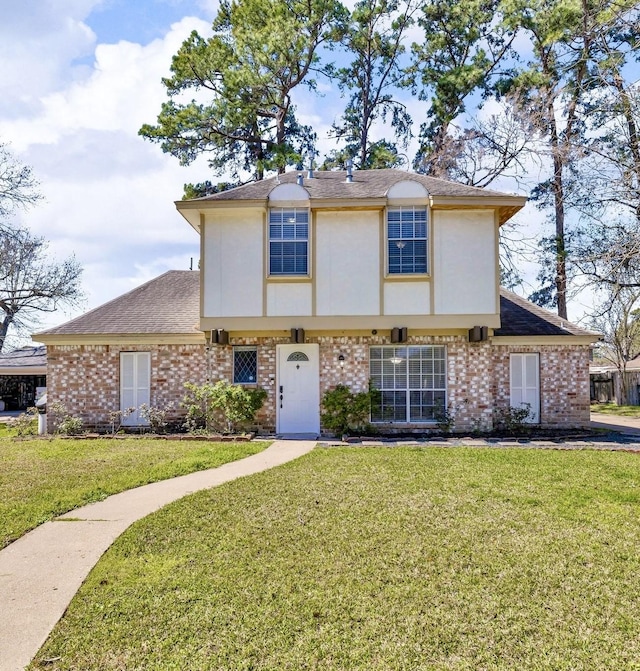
(40, 572)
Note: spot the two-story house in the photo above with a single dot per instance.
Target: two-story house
(309, 280)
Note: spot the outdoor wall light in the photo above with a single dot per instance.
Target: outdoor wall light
(341, 360)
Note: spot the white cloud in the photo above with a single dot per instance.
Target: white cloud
(40, 41)
(108, 192)
(123, 91)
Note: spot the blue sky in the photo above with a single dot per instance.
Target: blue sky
(79, 78)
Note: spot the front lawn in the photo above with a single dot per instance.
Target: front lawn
(619, 410)
(376, 558)
(40, 479)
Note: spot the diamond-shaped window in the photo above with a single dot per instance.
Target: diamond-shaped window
(245, 365)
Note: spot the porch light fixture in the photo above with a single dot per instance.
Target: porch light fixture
(478, 334)
(341, 360)
(399, 334)
(297, 335)
(217, 337)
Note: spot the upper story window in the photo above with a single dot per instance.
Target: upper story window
(288, 241)
(407, 239)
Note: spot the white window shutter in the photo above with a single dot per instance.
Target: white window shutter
(135, 384)
(525, 383)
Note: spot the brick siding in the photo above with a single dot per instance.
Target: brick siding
(86, 378)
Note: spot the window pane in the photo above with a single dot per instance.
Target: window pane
(245, 365)
(392, 407)
(418, 370)
(275, 231)
(426, 406)
(288, 231)
(407, 240)
(288, 241)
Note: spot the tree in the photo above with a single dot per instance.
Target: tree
(31, 283)
(486, 149)
(464, 43)
(206, 188)
(380, 154)
(374, 38)
(559, 83)
(618, 321)
(609, 200)
(260, 51)
(18, 186)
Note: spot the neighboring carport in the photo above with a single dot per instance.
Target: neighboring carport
(22, 375)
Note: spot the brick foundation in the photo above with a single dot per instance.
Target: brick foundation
(85, 378)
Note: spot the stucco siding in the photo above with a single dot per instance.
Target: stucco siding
(407, 298)
(234, 264)
(348, 268)
(284, 299)
(465, 264)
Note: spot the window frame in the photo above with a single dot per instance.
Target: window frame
(237, 349)
(393, 384)
(291, 240)
(405, 239)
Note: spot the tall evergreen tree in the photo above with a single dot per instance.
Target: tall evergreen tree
(373, 38)
(464, 44)
(243, 77)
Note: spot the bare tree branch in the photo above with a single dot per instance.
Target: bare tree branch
(30, 282)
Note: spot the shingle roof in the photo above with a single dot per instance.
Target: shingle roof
(23, 357)
(366, 184)
(520, 317)
(167, 304)
(170, 304)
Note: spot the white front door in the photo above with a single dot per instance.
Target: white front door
(525, 384)
(298, 387)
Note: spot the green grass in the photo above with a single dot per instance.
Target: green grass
(376, 558)
(619, 410)
(40, 479)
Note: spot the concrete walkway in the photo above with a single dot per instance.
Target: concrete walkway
(626, 425)
(41, 572)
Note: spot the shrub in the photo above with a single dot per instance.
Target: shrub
(26, 424)
(156, 416)
(63, 421)
(70, 426)
(221, 406)
(344, 411)
(512, 420)
(116, 417)
(446, 419)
